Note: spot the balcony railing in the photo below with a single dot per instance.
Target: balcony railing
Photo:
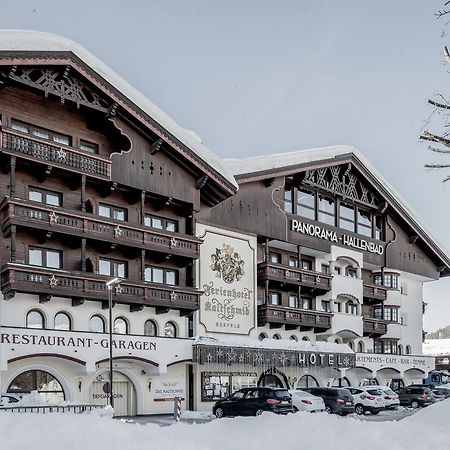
(35, 215)
(374, 327)
(293, 275)
(292, 318)
(78, 285)
(374, 292)
(63, 156)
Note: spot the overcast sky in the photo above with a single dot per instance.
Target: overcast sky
(266, 76)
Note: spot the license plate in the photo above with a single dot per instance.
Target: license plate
(285, 402)
(348, 403)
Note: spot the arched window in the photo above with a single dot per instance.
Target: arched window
(408, 350)
(262, 336)
(276, 336)
(120, 326)
(293, 338)
(337, 341)
(63, 321)
(305, 338)
(351, 308)
(350, 344)
(360, 347)
(269, 380)
(307, 381)
(150, 328)
(170, 330)
(97, 324)
(35, 319)
(37, 380)
(340, 382)
(400, 349)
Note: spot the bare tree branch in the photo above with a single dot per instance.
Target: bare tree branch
(427, 136)
(439, 105)
(438, 150)
(436, 166)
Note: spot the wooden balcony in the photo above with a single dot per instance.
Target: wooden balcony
(305, 320)
(317, 281)
(55, 155)
(374, 327)
(81, 286)
(58, 220)
(374, 293)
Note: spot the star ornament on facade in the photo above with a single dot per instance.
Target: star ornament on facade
(53, 218)
(61, 154)
(259, 358)
(53, 281)
(346, 361)
(173, 296)
(119, 289)
(117, 231)
(173, 242)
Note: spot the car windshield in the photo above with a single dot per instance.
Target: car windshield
(343, 392)
(374, 391)
(282, 393)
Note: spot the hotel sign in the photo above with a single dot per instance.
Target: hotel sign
(332, 236)
(227, 279)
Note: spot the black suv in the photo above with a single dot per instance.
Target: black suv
(337, 400)
(253, 402)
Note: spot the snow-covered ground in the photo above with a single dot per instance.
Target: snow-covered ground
(426, 429)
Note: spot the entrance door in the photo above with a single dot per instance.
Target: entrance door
(123, 392)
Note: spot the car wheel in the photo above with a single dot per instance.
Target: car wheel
(328, 409)
(415, 404)
(359, 409)
(295, 409)
(259, 412)
(219, 413)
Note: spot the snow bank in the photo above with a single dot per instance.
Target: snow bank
(436, 347)
(426, 429)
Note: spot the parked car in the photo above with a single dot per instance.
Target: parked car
(415, 396)
(304, 401)
(391, 400)
(442, 391)
(437, 396)
(337, 400)
(253, 402)
(9, 399)
(367, 399)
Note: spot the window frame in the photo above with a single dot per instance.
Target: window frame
(113, 264)
(164, 221)
(42, 316)
(93, 147)
(44, 256)
(103, 321)
(165, 271)
(278, 295)
(44, 193)
(112, 210)
(33, 129)
(62, 313)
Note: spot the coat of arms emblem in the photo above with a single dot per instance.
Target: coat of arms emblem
(227, 264)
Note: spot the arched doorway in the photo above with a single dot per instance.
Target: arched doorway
(340, 382)
(270, 380)
(46, 384)
(123, 391)
(307, 381)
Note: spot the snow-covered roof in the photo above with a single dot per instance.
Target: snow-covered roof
(436, 347)
(25, 40)
(281, 344)
(275, 162)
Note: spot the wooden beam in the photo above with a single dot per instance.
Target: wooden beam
(200, 183)
(156, 146)
(78, 301)
(161, 310)
(136, 308)
(412, 239)
(44, 298)
(269, 181)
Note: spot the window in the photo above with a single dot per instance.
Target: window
(306, 264)
(326, 212)
(389, 280)
(364, 222)
(112, 212)
(293, 301)
(326, 305)
(63, 321)
(386, 346)
(97, 324)
(306, 303)
(293, 338)
(337, 306)
(275, 298)
(88, 146)
(112, 268)
(37, 380)
(408, 350)
(307, 381)
(325, 268)
(351, 308)
(35, 319)
(216, 386)
(159, 275)
(305, 338)
(350, 344)
(161, 223)
(360, 347)
(170, 330)
(44, 196)
(120, 326)
(275, 258)
(262, 336)
(379, 227)
(352, 272)
(306, 204)
(276, 336)
(347, 217)
(288, 203)
(44, 258)
(387, 313)
(399, 349)
(41, 133)
(150, 328)
(337, 270)
(293, 261)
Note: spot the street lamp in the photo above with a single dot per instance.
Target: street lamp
(110, 284)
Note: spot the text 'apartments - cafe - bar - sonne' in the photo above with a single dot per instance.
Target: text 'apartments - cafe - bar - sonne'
(293, 270)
